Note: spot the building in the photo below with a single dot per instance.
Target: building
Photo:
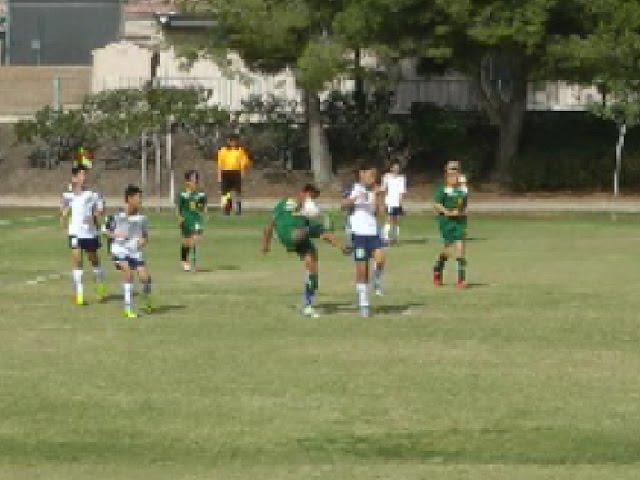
(60, 32)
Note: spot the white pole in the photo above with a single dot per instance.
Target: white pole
(619, 147)
(169, 154)
(143, 161)
(156, 143)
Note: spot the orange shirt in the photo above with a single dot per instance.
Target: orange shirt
(233, 159)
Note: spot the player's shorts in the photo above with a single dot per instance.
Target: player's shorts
(364, 246)
(90, 245)
(452, 231)
(231, 181)
(189, 228)
(395, 211)
(134, 263)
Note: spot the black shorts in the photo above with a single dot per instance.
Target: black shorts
(87, 244)
(231, 181)
(395, 211)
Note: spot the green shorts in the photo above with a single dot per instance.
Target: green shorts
(302, 246)
(191, 227)
(452, 231)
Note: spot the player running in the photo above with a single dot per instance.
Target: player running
(296, 233)
(129, 234)
(84, 208)
(450, 203)
(192, 203)
(367, 243)
(394, 184)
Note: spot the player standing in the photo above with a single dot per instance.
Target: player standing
(233, 163)
(367, 244)
(450, 203)
(84, 208)
(129, 233)
(296, 233)
(394, 184)
(192, 203)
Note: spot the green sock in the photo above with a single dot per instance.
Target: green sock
(461, 264)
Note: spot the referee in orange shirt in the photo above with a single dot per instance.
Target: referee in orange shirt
(233, 162)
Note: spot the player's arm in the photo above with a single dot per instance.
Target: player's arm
(65, 209)
(144, 239)
(267, 236)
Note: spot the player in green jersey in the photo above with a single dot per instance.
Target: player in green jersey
(192, 204)
(296, 233)
(450, 203)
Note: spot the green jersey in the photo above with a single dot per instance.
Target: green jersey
(191, 205)
(287, 218)
(452, 229)
(451, 198)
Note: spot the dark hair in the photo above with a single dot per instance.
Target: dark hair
(311, 188)
(77, 168)
(190, 174)
(131, 191)
(234, 136)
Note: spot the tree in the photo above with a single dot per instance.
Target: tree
(273, 35)
(499, 44)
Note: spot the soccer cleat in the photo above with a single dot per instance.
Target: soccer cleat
(130, 314)
(310, 312)
(379, 292)
(437, 279)
(101, 292)
(462, 285)
(78, 300)
(365, 312)
(186, 266)
(148, 306)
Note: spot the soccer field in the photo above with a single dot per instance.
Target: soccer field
(530, 374)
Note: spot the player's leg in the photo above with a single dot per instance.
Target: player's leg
(237, 193)
(461, 264)
(310, 260)
(361, 256)
(145, 279)
(98, 271)
(195, 241)
(386, 230)
(127, 287)
(396, 225)
(438, 268)
(76, 271)
(379, 258)
(185, 249)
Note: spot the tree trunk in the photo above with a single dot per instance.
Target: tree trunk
(510, 123)
(321, 162)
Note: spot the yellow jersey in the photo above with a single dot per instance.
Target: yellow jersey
(233, 159)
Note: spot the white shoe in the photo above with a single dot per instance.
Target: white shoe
(379, 292)
(310, 312)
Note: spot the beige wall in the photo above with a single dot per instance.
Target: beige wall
(120, 65)
(25, 90)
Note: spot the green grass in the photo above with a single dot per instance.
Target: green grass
(531, 374)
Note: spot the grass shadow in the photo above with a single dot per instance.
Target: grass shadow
(414, 241)
(162, 309)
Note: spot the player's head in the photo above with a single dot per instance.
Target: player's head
(79, 174)
(368, 174)
(234, 140)
(394, 166)
(452, 172)
(309, 191)
(192, 178)
(133, 196)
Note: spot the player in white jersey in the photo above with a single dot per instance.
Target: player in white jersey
(129, 234)
(367, 243)
(84, 208)
(394, 184)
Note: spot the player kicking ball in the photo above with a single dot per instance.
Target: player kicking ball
(450, 203)
(296, 233)
(367, 244)
(129, 235)
(192, 204)
(84, 208)
(394, 184)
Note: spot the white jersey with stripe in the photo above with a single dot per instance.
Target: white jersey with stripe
(363, 219)
(83, 205)
(128, 232)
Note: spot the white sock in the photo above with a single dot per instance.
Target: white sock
(98, 274)
(397, 232)
(128, 295)
(363, 294)
(77, 281)
(385, 231)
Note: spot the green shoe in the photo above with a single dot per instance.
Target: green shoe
(101, 292)
(130, 314)
(148, 305)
